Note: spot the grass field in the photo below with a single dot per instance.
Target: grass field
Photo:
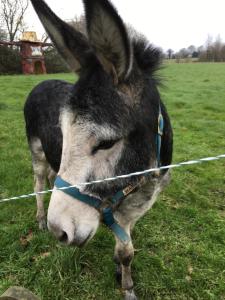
(180, 243)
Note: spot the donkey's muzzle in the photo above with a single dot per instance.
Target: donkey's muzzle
(70, 236)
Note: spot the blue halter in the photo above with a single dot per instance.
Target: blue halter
(107, 211)
(159, 135)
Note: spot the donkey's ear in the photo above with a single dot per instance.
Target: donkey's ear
(108, 36)
(71, 44)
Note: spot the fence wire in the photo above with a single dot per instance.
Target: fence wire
(178, 165)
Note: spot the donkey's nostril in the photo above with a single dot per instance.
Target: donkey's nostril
(60, 234)
(64, 237)
(69, 236)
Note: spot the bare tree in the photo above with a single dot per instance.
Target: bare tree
(209, 48)
(79, 24)
(12, 15)
(200, 49)
(183, 53)
(44, 38)
(191, 49)
(170, 53)
(217, 47)
(223, 53)
(3, 35)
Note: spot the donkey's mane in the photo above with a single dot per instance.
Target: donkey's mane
(147, 56)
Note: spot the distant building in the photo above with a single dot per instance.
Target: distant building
(33, 61)
(31, 49)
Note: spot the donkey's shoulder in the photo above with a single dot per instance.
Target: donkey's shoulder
(50, 88)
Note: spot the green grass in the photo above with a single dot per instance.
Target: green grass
(180, 243)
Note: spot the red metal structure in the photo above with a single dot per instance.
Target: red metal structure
(32, 57)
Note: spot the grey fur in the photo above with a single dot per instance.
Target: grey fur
(104, 125)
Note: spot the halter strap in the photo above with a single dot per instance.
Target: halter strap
(75, 193)
(107, 212)
(159, 136)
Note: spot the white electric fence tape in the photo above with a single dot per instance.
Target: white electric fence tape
(187, 163)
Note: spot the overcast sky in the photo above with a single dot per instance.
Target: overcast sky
(167, 23)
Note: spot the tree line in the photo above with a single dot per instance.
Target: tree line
(212, 51)
(12, 25)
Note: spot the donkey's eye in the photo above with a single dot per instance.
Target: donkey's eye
(104, 145)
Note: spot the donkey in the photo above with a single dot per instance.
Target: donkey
(109, 123)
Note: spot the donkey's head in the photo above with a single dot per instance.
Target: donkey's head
(109, 121)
